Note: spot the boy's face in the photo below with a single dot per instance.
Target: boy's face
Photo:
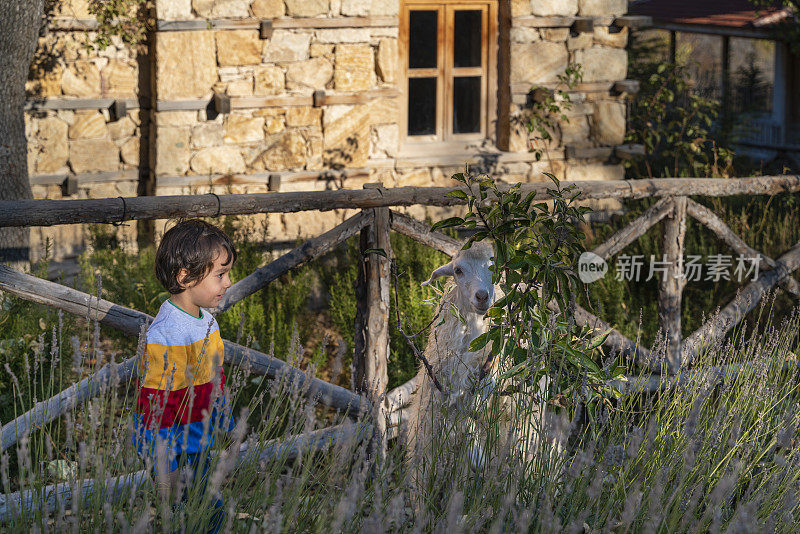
(208, 292)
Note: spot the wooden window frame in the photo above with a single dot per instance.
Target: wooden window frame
(445, 73)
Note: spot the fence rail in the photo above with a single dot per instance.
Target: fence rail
(107, 210)
(374, 222)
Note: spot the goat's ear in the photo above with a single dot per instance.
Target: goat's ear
(444, 270)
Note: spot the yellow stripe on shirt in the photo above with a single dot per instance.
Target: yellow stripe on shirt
(188, 365)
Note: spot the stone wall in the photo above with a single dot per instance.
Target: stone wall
(72, 131)
(276, 127)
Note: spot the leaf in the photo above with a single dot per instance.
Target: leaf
(457, 193)
(598, 340)
(479, 342)
(514, 371)
(378, 251)
(448, 223)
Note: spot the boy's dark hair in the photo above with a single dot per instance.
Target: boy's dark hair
(190, 245)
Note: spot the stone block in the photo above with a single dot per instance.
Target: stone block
(575, 130)
(267, 9)
(306, 8)
(172, 150)
(538, 168)
(286, 45)
(242, 129)
(387, 60)
(343, 35)
(555, 34)
(539, 62)
(604, 37)
(119, 78)
(88, 125)
(321, 49)
(549, 8)
(386, 8)
(174, 9)
(81, 79)
(218, 160)
(609, 122)
(385, 140)
(78, 9)
(355, 8)
(364, 8)
(176, 118)
(355, 67)
(415, 177)
(525, 34)
(238, 47)
(595, 171)
(274, 125)
(582, 40)
(130, 151)
(47, 83)
(53, 147)
(187, 65)
(599, 8)
(268, 81)
(520, 8)
(384, 110)
(314, 73)
(121, 128)
(347, 135)
(287, 152)
(602, 64)
(207, 134)
(303, 116)
(240, 88)
(93, 155)
(222, 8)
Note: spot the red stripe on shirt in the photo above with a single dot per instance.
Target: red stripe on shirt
(179, 407)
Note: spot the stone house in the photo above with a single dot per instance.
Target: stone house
(731, 25)
(285, 95)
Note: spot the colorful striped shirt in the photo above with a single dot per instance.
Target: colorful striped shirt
(182, 384)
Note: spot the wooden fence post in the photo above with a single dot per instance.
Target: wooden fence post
(370, 374)
(670, 289)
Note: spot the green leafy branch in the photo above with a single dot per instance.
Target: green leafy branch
(547, 107)
(532, 329)
(127, 19)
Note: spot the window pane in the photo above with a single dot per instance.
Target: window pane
(466, 104)
(467, 39)
(423, 33)
(421, 106)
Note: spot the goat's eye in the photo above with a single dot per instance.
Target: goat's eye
(458, 271)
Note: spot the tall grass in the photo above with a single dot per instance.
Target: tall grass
(716, 453)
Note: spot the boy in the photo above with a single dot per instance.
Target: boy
(182, 384)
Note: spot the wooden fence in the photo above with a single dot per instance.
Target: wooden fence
(374, 223)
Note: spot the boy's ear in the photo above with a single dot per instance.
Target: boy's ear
(181, 276)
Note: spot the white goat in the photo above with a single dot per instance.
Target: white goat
(460, 319)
